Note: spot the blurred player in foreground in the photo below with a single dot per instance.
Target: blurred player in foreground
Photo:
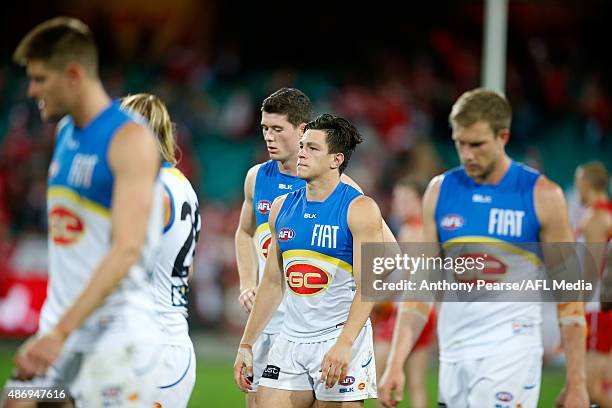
(174, 266)
(324, 351)
(591, 182)
(98, 327)
(491, 352)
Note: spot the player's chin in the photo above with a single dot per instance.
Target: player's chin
(49, 116)
(302, 172)
(473, 171)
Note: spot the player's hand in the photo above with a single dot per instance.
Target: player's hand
(335, 363)
(243, 368)
(37, 354)
(247, 299)
(391, 387)
(25, 367)
(46, 349)
(573, 397)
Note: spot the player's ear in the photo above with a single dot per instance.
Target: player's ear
(504, 135)
(301, 128)
(338, 160)
(74, 71)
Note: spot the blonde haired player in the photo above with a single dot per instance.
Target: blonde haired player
(491, 352)
(175, 259)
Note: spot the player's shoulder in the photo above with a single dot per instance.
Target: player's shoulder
(434, 186)
(133, 130)
(346, 179)
(549, 201)
(363, 213)
(363, 203)
(175, 180)
(276, 207)
(546, 189)
(249, 180)
(253, 170)
(267, 168)
(132, 137)
(436, 182)
(599, 216)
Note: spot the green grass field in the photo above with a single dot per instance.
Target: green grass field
(215, 386)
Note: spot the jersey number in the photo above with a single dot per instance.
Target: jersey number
(180, 270)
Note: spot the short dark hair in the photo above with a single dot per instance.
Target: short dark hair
(58, 42)
(291, 102)
(342, 136)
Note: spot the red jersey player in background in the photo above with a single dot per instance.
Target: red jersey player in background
(406, 211)
(592, 181)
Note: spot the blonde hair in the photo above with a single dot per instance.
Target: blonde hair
(154, 111)
(481, 104)
(596, 174)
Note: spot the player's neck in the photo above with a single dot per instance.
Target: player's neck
(92, 100)
(322, 187)
(499, 171)
(597, 197)
(288, 167)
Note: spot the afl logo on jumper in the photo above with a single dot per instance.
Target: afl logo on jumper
(306, 279)
(286, 234)
(263, 207)
(452, 222)
(66, 227)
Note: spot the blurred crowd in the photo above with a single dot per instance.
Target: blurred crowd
(400, 103)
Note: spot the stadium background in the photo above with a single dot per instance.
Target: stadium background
(393, 71)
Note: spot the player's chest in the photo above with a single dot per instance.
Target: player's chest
(78, 166)
(313, 229)
(506, 216)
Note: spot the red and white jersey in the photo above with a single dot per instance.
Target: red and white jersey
(176, 255)
(593, 305)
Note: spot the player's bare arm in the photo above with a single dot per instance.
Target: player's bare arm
(412, 316)
(246, 259)
(365, 224)
(596, 229)
(134, 178)
(551, 210)
(268, 297)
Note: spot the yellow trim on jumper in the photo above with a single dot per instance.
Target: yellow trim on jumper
(530, 256)
(175, 172)
(76, 198)
(308, 254)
